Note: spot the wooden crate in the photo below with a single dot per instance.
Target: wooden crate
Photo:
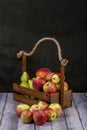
(64, 98)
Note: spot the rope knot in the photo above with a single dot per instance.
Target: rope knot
(20, 53)
(64, 62)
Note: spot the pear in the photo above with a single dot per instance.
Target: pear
(24, 77)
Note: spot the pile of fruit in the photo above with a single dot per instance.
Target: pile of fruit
(38, 113)
(48, 82)
(45, 80)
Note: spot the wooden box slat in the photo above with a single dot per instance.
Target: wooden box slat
(22, 94)
(37, 94)
(24, 99)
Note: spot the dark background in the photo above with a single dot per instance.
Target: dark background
(24, 22)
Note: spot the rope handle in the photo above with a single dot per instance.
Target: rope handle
(63, 61)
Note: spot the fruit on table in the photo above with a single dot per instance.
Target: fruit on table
(57, 108)
(38, 113)
(26, 116)
(39, 117)
(43, 104)
(35, 107)
(51, 114)
(49, 87)
(20, 108)
(43, 72)
(24, 77)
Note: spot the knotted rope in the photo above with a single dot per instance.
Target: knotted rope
(63, 61)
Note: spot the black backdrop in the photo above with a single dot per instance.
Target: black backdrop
(24, 22)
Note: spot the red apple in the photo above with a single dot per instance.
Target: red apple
(57, 108)
(58, 73)
(20, 108)
(43, 72)
(49, 76)
(35, 107)
(49, 87)
(43, 104)
(66, 86)
(25, 77)
(39, 117)
(26, 116)
(55, 78)
(51, 114)
(38, 83)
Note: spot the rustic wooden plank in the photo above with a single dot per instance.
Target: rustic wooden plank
(46, 126)
(80, 100)
(3, 97)
(9, 120)
(23, 99)
(35, 93)
(72, 118)
(22, 126)
(85, 94)
(59, 123)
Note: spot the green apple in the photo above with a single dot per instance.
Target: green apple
(55, 78)
(57, 108)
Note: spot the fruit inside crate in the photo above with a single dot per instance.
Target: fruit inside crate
(46, 85)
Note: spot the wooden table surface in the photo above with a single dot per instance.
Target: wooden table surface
(73, 118)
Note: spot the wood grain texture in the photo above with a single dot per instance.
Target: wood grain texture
(9, 119)
(3, 97)
(81, 106)
(20, 92)
(73, 118)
